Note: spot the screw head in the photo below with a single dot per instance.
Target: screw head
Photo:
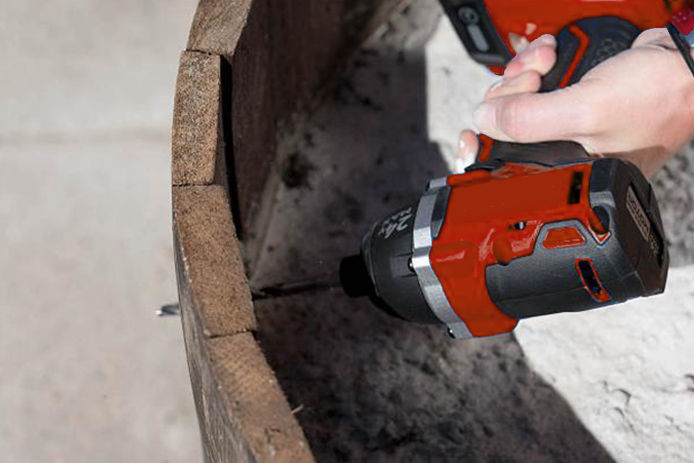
(468, 15)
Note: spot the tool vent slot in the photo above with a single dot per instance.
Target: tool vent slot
(591, 282)
(575, 188)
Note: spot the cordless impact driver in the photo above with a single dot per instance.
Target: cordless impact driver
(528, 230)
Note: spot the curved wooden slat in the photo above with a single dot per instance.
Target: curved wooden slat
(250, 64)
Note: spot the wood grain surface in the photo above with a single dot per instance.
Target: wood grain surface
(249, 66)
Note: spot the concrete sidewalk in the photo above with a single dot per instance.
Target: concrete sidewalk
(90, 373)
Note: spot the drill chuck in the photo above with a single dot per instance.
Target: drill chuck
(355, 278)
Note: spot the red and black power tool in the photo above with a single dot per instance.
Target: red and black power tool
(529, 230)
(488, 28)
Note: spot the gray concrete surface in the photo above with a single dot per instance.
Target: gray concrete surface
(605, 386)
(89, 373)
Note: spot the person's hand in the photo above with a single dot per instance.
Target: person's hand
(638, 105)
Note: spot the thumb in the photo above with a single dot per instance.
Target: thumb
(535, 117)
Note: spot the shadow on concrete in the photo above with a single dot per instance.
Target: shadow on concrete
(366, 387)
(674, 188)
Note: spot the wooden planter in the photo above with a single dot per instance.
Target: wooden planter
(249, 65)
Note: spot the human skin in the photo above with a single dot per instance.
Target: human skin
(638, 105)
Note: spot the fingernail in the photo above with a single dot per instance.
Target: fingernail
(518, 42)
(496, 86)
(483, 117)
(465, 159)
(546, 39)
(460, 166)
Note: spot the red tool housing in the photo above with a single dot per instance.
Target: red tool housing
(519, 199)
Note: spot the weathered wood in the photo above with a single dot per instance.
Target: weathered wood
(243, 414)
(212, 267)
(218, 25)
(196, 124)
(250, 64)
(281, 55)
(255, 401)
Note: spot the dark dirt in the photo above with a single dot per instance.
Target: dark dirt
(296, 171)
(375, 389)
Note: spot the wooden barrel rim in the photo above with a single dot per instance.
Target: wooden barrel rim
(240, 77)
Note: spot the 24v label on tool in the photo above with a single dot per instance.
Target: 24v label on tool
(396, 222)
